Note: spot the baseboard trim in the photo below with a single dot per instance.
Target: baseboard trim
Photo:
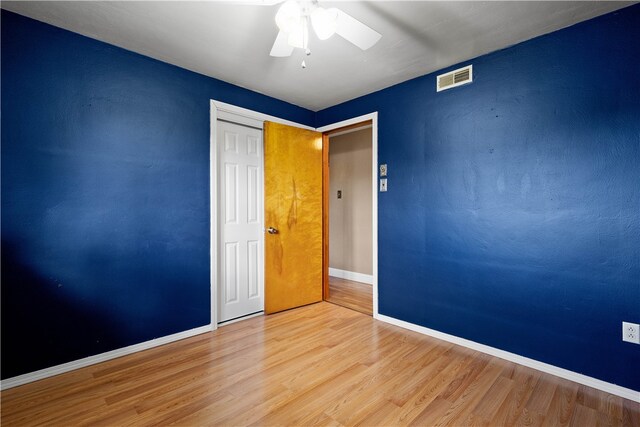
(351, 275)
(617, 390)
(102, 357)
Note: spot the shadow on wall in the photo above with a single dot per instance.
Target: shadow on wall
(71, 327)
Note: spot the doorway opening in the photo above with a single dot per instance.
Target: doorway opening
(237, 211)
(222, 282)
(349, 180)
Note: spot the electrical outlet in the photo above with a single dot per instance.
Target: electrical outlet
(631, 332)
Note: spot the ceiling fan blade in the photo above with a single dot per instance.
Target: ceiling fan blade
(355, 31)
(281, 45)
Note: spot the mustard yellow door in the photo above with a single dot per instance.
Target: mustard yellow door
(293, 217)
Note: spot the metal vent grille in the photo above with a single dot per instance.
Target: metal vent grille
(454, 78)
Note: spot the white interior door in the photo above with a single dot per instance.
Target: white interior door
(241, 251)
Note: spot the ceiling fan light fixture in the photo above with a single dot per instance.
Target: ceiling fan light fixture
(294, 17)
(324, 22)
(299, 35)
(288, 16)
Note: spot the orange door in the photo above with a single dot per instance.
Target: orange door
(293, 217)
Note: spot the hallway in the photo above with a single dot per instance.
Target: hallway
(353, 295)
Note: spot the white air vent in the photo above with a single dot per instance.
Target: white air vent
(455, 78)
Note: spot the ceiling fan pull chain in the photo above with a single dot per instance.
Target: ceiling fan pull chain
(305, 43)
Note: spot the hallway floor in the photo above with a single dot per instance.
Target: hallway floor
(354, 295)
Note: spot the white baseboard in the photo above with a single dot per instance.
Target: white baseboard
(102, 357)
(351, 275)
(617, 390)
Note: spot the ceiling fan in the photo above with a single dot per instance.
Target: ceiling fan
(295, 17)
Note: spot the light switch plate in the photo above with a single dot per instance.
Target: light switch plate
(383, 185)
(383, 170)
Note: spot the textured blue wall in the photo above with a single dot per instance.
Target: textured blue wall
(512, 216)
(105, 194)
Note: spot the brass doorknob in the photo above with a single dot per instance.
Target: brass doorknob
(272, 230)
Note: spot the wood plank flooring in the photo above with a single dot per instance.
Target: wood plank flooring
(317, 365)
(354, 295)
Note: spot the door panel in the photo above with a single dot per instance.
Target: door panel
(293, 206)
(241, 250)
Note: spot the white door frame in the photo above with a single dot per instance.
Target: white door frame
(243, 116)
(224, 111)
(374, 191)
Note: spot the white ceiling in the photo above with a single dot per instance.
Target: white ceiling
(231, 41)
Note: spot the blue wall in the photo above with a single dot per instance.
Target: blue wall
(512, 216)
(105, 194)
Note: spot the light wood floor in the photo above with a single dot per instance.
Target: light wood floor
(320, 364)
(354, 295)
